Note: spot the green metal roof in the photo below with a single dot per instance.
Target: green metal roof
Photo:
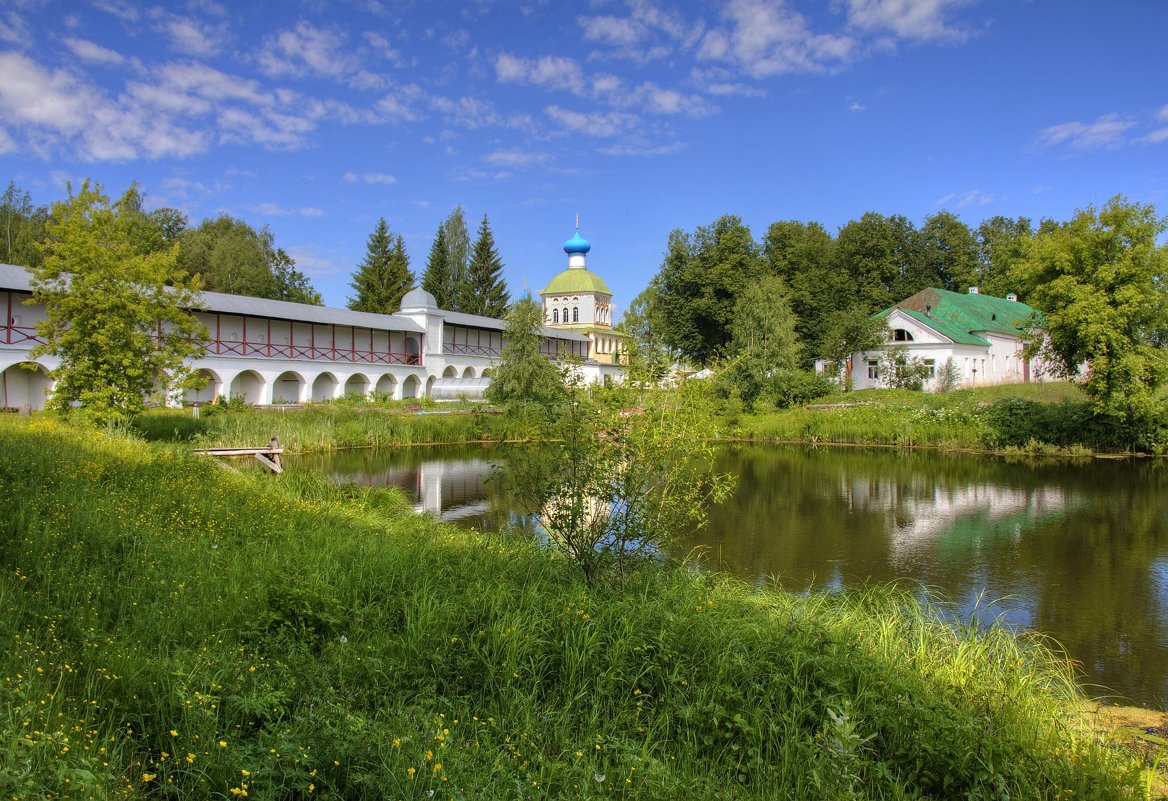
(961, 317)
(576, 279)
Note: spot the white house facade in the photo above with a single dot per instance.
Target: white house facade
(984, 337)
(275, 352)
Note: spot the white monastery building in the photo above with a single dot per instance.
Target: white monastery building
(984, 337)
(276, 352)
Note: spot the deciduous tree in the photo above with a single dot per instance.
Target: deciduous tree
(22, 228)
(116, 313)
(1100, 281)
(765, 347)
(525, 382)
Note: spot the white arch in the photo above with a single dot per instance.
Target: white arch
(324, 387)
(387, 385)
(468, 373)
(248, 385)
(22, 386)
(410, 387)
(207, 392)
(450, 372)
(288, 387)
(357, 386)
(430, 385)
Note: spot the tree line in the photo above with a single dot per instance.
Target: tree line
(461, 275)
(230, 255)
(765, 311)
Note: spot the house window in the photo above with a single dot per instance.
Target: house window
(932, 365)
(555, 315)
(565, 314)
(900, 335)
(873, 369)
(575, 314)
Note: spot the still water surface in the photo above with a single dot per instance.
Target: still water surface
(1077, 551)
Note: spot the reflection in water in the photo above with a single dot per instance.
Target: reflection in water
(1077, 551)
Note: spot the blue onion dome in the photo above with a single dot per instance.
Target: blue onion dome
(577, 244)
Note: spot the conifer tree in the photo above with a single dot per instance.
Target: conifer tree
(384, 277)
(437, 279)
(485, 291)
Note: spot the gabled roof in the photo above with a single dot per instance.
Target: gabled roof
(961, 317)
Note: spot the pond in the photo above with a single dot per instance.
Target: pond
(1075, 550)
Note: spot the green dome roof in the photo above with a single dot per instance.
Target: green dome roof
(575, 280)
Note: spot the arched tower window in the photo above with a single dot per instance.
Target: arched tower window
(555, 315)
(565, 314)
(900, 335)
(575, 314)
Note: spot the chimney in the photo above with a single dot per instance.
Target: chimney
(973, 290)
(1012, 296)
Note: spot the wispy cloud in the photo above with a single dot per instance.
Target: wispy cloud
(195, 38)
(553, 72)
(922, 20)
(1108, 131)
(515, 158)
(973, 197)
(276, 210)
(1159, 134)
(602, 125)
(764, 38)
(370, 178)
(93, 53)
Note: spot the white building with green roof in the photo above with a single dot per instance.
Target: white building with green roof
(579, 300)
(984, 337)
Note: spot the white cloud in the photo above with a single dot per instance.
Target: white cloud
(516, 158)
(555, 72)
(922, 20)
(92, 53)
(190, 36)
(655, 100)
(309, 261)
(401, 103)
(766, 37)
(1107, 131)
(857, 106)
(308, 50)
(123, 11)
(14, 30)
(592, 124)
(276, 210)
(612, 30)
(370, 178)
(7, 144)
(973, 197)
(380, 44)
(642, 148)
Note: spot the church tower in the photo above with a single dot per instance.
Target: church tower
(580, 300)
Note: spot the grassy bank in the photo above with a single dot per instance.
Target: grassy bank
(173, 629)
(325, 427)
(1034, 418)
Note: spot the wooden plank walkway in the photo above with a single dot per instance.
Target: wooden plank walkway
(268, 456)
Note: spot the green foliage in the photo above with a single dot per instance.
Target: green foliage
(803, 255)
(615, 484)
(384, 277)
(701, 278)
(437, 279)
(949, 253)
(22, 228)
(1099, 281)
(525, 383)
(648, 358)
(948, 376)
(230, 256)
(1001, 243)
(192, 630)
(764, 347)
(485, 291)
(899, 370)
(116, 315)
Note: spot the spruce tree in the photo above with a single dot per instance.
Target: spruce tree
(436, 279)
(401, 278)
(372, 279)
(485, 291)
(457, 256)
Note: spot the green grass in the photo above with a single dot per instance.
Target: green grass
(175, 629)
(1032, 418)
(323, 427)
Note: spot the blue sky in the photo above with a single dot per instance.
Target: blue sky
(315, 118)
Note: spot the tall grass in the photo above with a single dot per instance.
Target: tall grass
(1036, 418)
(323, 427)
(174, 629)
